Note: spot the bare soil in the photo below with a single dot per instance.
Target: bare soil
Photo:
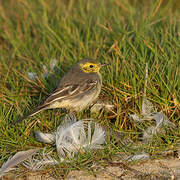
(168, 168)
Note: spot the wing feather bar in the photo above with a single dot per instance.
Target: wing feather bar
(62, 93)
(70, 91)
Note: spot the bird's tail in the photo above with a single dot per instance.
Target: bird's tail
(32, 113)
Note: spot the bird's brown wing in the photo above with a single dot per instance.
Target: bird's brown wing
(70, 91)
(62, 93)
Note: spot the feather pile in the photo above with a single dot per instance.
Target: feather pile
(71, 137)
(74, 136)
(147, 113)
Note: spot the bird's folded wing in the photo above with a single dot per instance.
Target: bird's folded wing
(70, 91)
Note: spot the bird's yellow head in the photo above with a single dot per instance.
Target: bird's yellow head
(90, 67)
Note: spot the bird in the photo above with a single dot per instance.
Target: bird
(77, 90)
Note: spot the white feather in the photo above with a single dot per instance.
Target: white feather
(68, 136)
(53, 64)
(15, 160)
(148, 114)
(45, 71)
(32, 76)
(35, 164)
(142, 156)
(78, 136)
(98, 137)
(73, 136)
(45, 137)
(102, 105)
(161, 119)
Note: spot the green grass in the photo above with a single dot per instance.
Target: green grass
(126, 34)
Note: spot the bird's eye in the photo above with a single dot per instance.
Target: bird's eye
(91, 66)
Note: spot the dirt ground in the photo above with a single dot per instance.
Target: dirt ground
(168, 168)
(157, 169)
